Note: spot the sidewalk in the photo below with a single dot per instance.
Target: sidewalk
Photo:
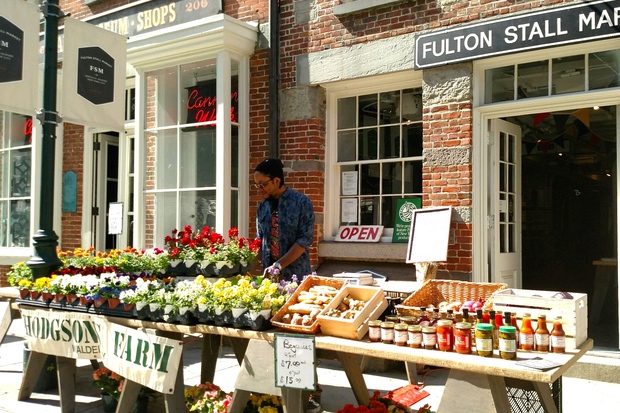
(578, 394)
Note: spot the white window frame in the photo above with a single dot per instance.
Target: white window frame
(349, 88)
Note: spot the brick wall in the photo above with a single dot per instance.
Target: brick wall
(73, 159)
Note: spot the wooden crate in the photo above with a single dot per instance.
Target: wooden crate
(437, 291)
(354, 328)
(574, 311)
(306, 284)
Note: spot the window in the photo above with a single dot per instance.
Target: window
(379, 154)
(15, 167)
(577, 73)
(181, 147)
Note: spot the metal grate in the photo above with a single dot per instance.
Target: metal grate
(527, 401)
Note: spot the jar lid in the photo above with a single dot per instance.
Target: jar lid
(484, 327)
(507, 329)
(405, 318)
(387, 324)
(463, 325)
(374, 323)
(414, 327)
(401, 326)
(444, 323)
(429, 329)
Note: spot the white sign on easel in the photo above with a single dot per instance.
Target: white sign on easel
(429, 235)
(115, 218)
(295, 361)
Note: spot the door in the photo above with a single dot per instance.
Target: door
(504, 222)
(105, 188)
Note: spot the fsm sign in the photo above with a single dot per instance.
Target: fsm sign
(550, 27)
(360, 233)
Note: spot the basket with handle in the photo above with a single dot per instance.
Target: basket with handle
(307, 283)
(434, 292)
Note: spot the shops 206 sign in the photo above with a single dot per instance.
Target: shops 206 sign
(582, 22)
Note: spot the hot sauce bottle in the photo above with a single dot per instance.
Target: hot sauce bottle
(557, 338)
(526, 333)
(423, 319)
(541, 335)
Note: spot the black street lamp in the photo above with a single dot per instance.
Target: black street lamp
(45, 259)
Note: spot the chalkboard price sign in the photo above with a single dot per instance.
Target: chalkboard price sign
(295, 361)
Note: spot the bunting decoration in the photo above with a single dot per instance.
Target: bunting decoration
(539, 117)
(583, 115)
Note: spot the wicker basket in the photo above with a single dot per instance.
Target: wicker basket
(436, 291)
(309, 282)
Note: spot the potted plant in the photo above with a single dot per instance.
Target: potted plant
(207, 398)
(109, 382)
(20, 276)
(263, 403)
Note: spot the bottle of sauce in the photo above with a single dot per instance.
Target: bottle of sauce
(423, 319)
(557, 339)
(444, 335)
(541, 335)
(462, 338)
(486, 317)
(526, 333)
(465, 315)
(495, 331)
(435, 317)
(506, 321)
(513, 322)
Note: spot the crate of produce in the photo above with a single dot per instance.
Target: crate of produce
(572, 307)
(435, 292)
(347, 315)
(299, 313)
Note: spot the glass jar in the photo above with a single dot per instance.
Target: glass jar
(444, 335)
(558, 337)
(401, 334)
(484, 339)
(408, 319)
(462, 338)
(541, 335)
(374, 330)
(508, 342)
(393, 318)
(387, 332)
(415, 336)
(429, 337)
(526, 333)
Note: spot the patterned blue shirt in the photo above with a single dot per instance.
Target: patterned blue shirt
(295, 225)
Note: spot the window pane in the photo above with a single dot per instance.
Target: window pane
(234, 155)
(161, 103)
(349, 180)
(165, 215)
(389, 143)
(389, 104)
(388, 211)
(499, 84)
(20, 172)
(367, 145)
(234, 91)
(604, 67)
(20, 223)
(369, 211)
(166, 164)
(346, 113)
(349, 211)
(198, 92)
(197, 208)
(411, 105)
(568, 74)
(370, 179)
(413, 177)
(234, 209)
(4, 223)
(197, 164)
(532, 79)
(412, 140)
(346, 146)
(367, 111)
(392, 178)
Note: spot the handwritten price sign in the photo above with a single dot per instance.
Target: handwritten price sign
(295, 361)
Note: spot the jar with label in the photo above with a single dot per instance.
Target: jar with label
(558, 337)
(444, 335)
(408, 319)
(414, 336)
(541, 335)
(462, 338)
(508, 342)
(429, 337)
(393, 318)
(484, 339)
(526, 333)
(387, 332)
(374, 330)
(400, 334)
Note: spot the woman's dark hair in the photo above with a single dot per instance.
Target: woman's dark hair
(273, 168)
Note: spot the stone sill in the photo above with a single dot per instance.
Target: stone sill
(354, 6)
(362, 251)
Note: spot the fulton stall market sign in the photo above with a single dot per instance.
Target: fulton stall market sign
(550, 27)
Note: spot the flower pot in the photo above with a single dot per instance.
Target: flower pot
(239, 317)
(259, 320)
(72, 298)
(24, 294)
(186, 318)
(113, 302)
(156, 313)
(204, 314)
(128, 307)
(98, 302)
(223, 317)
(34, 295)
(141, 311)
(47, 297)
(59, 297)
(109, 403)
(85, 301)
(224, 268)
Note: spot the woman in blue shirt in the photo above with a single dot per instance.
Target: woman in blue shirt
(284, 222)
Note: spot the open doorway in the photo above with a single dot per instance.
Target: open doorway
(569, 207)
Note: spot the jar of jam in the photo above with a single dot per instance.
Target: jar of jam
(374, 330)
(462, 338)
(415, 336)
(429, 337)
(408, 319)
(393, 318)
(508, 342)
(484, 339)
(444, 335)
(387, 332)
(401, 334)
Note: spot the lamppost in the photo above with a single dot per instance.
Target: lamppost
(45, 241)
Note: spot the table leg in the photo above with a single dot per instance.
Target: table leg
(239, 401)
(34, 368)
(66, 383)
(239, 346)
(412, 372)
(128, 397)
(351, 366)
(295, 400)
(497, 385)
(210, 351)
(545, 397)
(175, 402)
(475, 386)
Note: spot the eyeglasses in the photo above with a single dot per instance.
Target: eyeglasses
(263, 184)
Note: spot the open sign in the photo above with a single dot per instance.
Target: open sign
(360, 233)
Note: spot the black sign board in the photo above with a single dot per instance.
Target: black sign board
(11, 51)
(201, 102)
(153, 15)
(95, 75)
(578, 23)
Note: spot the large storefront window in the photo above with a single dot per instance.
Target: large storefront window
(15, 178)
(182, 146)
(379, 154)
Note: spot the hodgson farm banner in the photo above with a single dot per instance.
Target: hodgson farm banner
(19, 57)
(93, 85)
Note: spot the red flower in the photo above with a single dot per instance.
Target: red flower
(233, 233)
